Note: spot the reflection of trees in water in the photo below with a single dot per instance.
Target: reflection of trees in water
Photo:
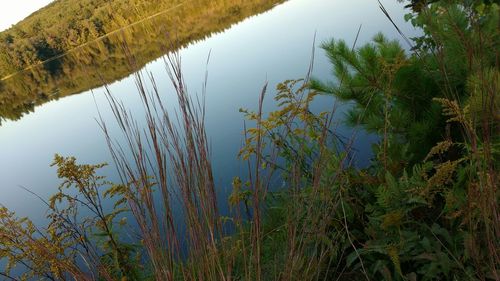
(105, 59)
(46, 52)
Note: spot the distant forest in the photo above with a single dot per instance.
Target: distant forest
(76, 32)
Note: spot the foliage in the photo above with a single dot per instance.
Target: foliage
(90, 192)
(426, 207)
(424, 216)
(72, 244)
(392, 94)
(300, 145)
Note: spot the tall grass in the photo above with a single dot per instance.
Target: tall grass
(167, 164)
(170, 161)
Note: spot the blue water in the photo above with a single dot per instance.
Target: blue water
(269, 47)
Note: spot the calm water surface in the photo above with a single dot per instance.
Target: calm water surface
(272, 46)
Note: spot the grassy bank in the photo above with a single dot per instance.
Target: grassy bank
(425, 209)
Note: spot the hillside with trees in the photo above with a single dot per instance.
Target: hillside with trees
(73, 32)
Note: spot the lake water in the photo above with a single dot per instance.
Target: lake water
(273, 45)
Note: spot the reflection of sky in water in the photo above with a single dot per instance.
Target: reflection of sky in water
(270, 47)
